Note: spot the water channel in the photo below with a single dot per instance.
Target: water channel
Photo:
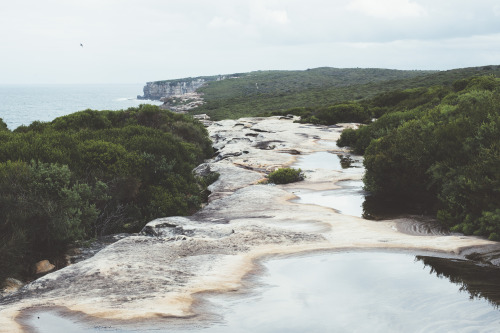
(357, 291)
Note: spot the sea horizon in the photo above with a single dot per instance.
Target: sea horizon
(24, 103)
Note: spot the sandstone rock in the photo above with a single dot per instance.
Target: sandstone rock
(165, 89)
(12, 285)
(43, 267)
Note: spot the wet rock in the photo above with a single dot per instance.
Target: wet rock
(235, 140)
(290, 151)
(267, 145)
(486, 254)
(181, 228)
(260, 130)
(227, 155)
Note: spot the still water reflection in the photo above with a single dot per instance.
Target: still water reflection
(330, 161)
(347, 200)
(352, 292)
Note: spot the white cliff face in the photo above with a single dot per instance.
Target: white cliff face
(161, 89)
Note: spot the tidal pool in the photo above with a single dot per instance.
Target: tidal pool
(346, 292)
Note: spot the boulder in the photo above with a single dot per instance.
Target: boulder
(43, 267)
(12, 285)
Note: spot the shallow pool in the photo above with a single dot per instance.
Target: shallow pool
(329, 161)
(346, 200)
(347, 292)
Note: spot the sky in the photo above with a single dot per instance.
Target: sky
(136, 41)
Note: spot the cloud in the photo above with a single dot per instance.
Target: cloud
(496, 10)
(387, 9)
(221, 22)
(137, 40)
(272, 16)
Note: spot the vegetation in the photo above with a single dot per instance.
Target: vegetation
(435, 143)
(255, 93)
(479, 281)
(93, 173)
(285, 176)
(438, 147)
(263, 92)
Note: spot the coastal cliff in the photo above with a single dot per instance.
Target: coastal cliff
(158, 90)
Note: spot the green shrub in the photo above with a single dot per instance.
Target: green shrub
(442, 157)
(3, 125)
(93, 173)
(42, 209)
(285, 176)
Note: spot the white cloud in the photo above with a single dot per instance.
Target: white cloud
(496, 10)
(144, 40)
(261, 12)
(220, 22)
(387, 9)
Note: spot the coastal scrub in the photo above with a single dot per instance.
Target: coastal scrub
(285, 176)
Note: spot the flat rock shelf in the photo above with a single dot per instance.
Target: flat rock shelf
(369, 291)
(167, 275)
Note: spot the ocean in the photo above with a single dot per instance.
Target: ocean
(23, 104)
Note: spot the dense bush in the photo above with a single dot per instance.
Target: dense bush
(285, 176)
(442, 154)
(350, 112)
(93, 173)
(265, 92)
(42, 208)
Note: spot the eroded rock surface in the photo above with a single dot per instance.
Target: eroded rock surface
(160, 272)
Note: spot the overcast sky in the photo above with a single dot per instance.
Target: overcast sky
(134, 41)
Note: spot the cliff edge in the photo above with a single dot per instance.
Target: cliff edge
(158, 90)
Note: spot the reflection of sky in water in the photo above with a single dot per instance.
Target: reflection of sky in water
(320, 160)
(341, 292)
(328, 161)
(363, 292)
(347, 200)
(329, 144)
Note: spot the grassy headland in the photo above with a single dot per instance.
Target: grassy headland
(263, 92)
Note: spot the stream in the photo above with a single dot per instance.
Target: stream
(339, 291)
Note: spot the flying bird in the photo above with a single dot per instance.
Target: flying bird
(81, 44)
